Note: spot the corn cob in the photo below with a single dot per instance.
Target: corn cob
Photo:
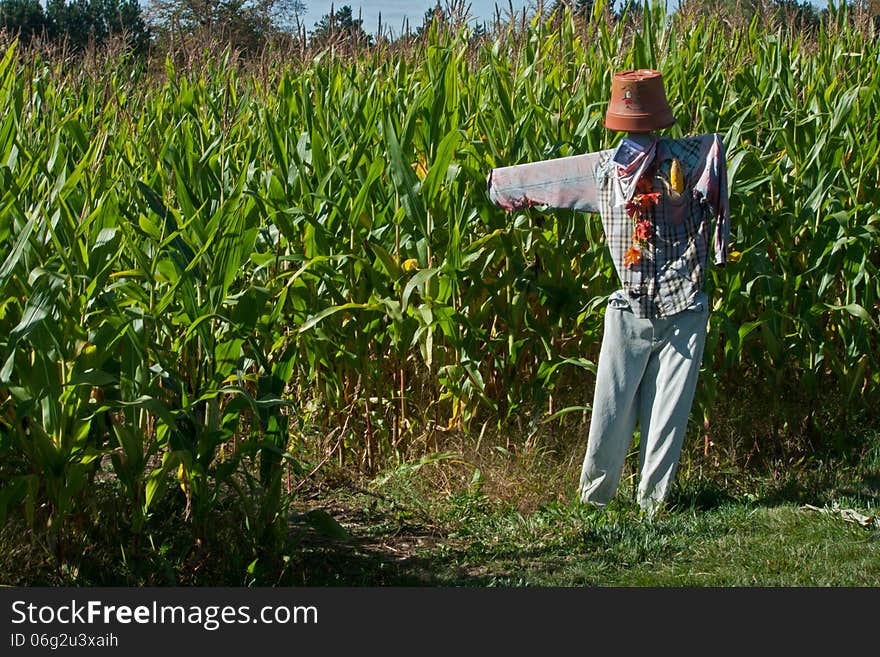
(676, 177)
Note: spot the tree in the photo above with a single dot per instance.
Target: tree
(79, 23)
(23, 18)
(582, 9)
(243, 24)
(798, 16)
(431, 15)
(793, 16)
(340, 27)
(124, 17)
(287, 14)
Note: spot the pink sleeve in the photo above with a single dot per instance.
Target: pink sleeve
(712, 184)
(564, 183)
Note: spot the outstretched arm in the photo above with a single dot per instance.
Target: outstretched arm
(564, 183)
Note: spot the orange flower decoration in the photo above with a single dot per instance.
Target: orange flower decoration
(643, 186)
(647, 200)
(644, 231)
(641, 202)
(632, 257)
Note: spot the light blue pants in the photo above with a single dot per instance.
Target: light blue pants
(648, 372)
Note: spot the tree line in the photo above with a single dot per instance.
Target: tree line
(77, 23)
(244, 24)
(248, 25)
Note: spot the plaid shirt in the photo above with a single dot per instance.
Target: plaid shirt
(671, 271)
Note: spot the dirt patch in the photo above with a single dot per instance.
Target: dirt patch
(383, 542)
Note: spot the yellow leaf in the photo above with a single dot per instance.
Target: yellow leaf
(420, 168)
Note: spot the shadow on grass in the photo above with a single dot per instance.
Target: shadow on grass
(862, 489)
(382, 550)
(820, 485)
(361, 562)
(703, 497)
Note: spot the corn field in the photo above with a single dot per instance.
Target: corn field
(209, 272)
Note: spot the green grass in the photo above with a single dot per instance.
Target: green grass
(737, 545)
(753, 532)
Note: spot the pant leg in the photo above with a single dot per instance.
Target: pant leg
(626, 348)
(666, 397)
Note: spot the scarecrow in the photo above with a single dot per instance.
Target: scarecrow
(664, 206)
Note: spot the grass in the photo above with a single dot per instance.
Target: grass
(737, 545)
(404, 533)
(754, 532)
(495, 516)
(428, 525)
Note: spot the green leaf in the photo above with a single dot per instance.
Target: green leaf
(227, 354)
(150, 227)
(412, 467)
(565, 411)
(21, 242)
(857, 311)
(38, 308)
(156, 483)
(92, 378)
(405, 181)
(332, 310)
(421, 278)
(359, 204)
(547, 369)
(440, 166)
(158, 408)
(387, 260)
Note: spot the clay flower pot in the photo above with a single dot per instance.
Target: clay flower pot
(638, 102)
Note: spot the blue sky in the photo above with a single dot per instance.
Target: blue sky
(395, 11)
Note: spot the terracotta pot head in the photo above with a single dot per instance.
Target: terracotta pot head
(638, 102)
